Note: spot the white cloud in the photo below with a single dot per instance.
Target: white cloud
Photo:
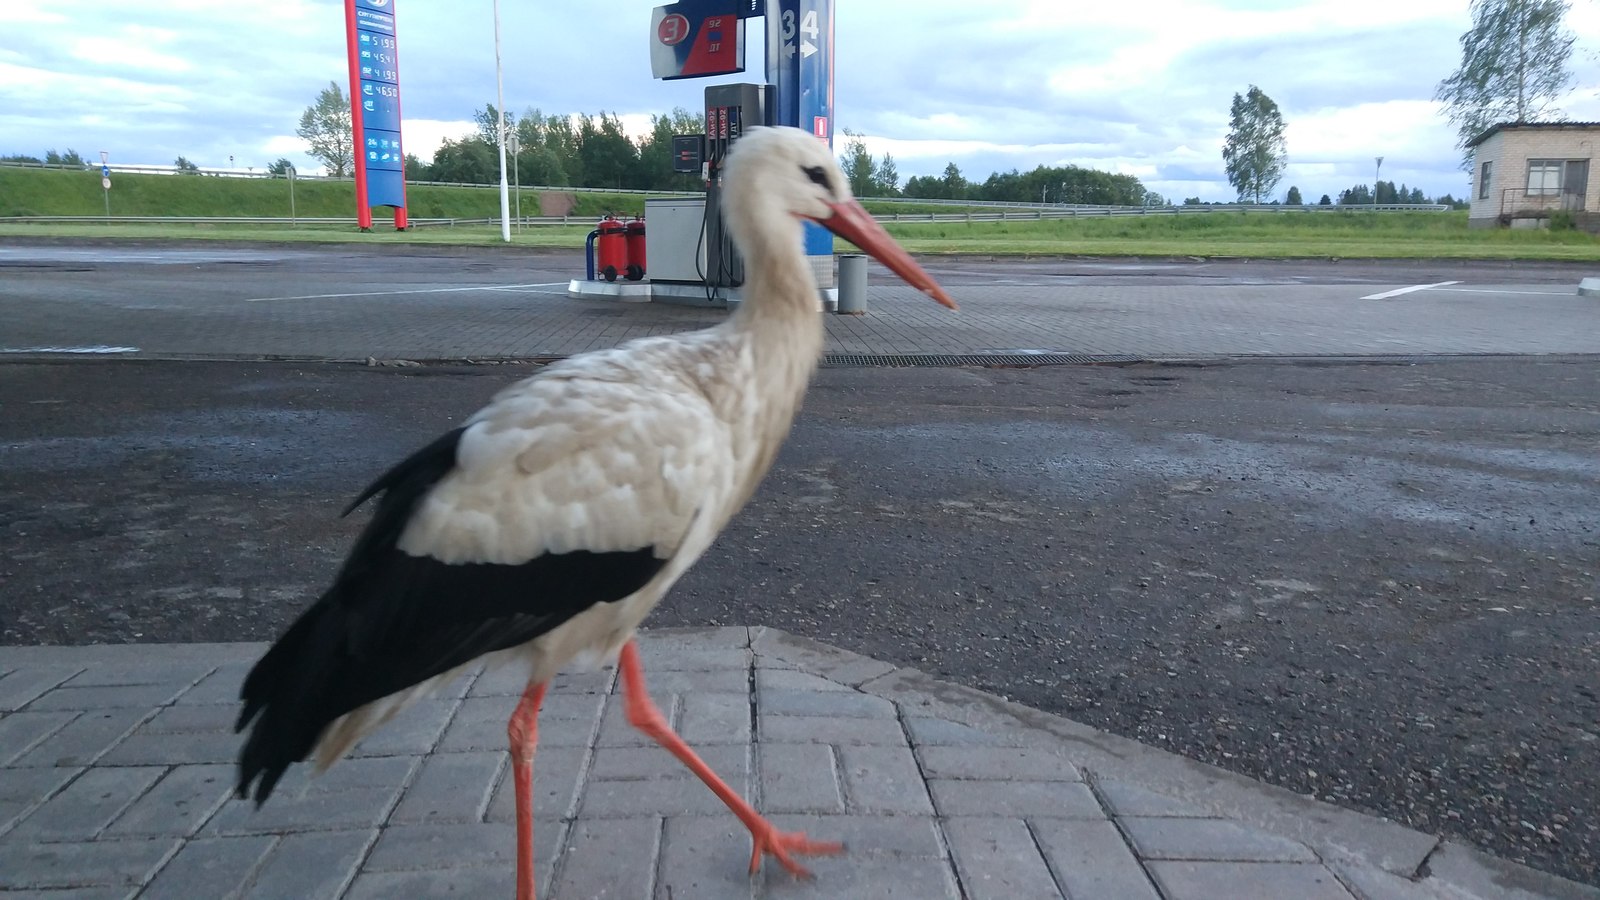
(1136, 88)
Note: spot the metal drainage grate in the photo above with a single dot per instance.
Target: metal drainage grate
(989, 360)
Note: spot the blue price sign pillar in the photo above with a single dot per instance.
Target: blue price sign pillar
(800, 69)
(374, 51)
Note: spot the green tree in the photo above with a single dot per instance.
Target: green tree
(470, 160)
(955, 184)
(655, 152)
(609, 158)
(1513, 67)
(857, 164)
(1325, 201)
(886, 177)
(68, 159)
(1255, 153)
(281, 167)
(326, 128)
(1294, 198)
(416, 169)
(185, 167)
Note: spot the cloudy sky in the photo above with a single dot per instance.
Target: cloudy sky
(1141, 87)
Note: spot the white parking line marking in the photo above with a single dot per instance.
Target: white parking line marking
(1487, 291)
(444, 290)
(94, 349)
(1407, 290)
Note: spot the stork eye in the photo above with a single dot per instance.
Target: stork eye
(818, 175)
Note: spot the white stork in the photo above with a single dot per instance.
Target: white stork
(544, 530)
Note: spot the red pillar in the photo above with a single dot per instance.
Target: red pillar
(363, 209)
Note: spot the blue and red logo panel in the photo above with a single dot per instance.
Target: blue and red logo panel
(697, 38)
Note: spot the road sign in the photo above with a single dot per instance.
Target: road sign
(105, 171)
(105, 183)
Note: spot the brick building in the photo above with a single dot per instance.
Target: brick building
(1524, 171)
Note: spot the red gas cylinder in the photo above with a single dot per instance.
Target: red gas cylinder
(635, 231)
(611, 249)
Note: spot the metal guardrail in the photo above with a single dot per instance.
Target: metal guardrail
(117, 169)
(999, 216)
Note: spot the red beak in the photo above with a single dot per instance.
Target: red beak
(851, 221)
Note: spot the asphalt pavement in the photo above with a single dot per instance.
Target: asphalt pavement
(1371, 581)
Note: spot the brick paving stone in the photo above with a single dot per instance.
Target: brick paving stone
(466, 844)
(77, 864)
(355, 793)
(220, 687)
(192, 720)
(144, 749)
(679, 660)
(23, 789)
(1126, 799)
(310, 864)
(793, 680)
(616, 731)
(704, 857)
(557, 777)
(130, 696)
(413, 731)
(83, 740)
(20, 732)
(1210, 839)
(178, 804)
(831, 730)
(1091, 860)
(84, 807)
(610, 858)
(653, 762)
(997, 858)
(883, 780)
(996, 763)
(870, 837)
(944, 733)
(162, 673)
(493, 881)
(694, 681)
(480, 723)
(822, 703)
(799, 778)
(1187, 880)
(714, 718)
(846, 877)
(23, 686)
(1057, 799)
(451, 787)
(209, 867)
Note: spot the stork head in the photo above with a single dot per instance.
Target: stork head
(794, 172)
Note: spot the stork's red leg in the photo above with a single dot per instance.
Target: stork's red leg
(523, 730)
(645, 716)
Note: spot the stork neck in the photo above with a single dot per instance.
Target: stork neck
(779, 311)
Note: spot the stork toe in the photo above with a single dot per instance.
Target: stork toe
(766, 838)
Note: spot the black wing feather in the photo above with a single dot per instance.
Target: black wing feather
(392, 620)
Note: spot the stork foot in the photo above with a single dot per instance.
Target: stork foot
(766, 839)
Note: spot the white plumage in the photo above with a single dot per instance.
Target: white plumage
(545, 530)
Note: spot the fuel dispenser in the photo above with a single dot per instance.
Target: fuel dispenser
(730, 109)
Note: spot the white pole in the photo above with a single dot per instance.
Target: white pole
(500, 101)
(290, 173)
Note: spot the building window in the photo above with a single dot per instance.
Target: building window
(1544, 176)
(1483, 181)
